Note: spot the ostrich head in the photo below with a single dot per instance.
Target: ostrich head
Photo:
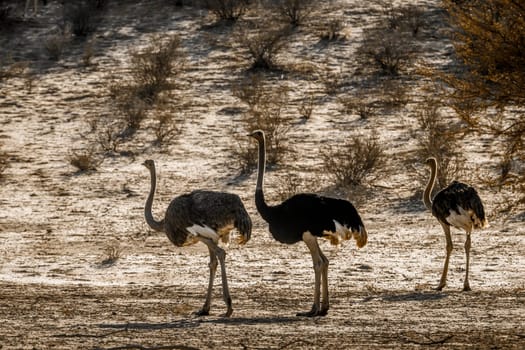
(258, 135)
(430, 161)
(150, 164)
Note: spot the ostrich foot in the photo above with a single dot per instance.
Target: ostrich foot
(313, 312)
(466, 288)
(323, 312)
(228, 313)
(202, 312)
(440, 287)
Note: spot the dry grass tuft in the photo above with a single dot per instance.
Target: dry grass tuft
(332, 30)
(9, 70)
(355, 161)
(112, 254)
(55, 44)
(85, 160)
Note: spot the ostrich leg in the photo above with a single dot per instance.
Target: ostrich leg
(466, 285)
(220, 255)
(319, 265)
(443, 280)
(325, 305)
(205, 311)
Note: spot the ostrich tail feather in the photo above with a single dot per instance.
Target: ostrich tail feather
(361, 236)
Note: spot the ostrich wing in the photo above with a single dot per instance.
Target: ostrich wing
(313, 213)
(219, 210)
(459, 195)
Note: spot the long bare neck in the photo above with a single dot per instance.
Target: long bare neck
(430, 185)
(150, 220)
(261, 165)
(260, 202)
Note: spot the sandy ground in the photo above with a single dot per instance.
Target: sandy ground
(59, 289)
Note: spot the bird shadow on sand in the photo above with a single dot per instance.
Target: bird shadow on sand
(254, 320)
(415, 296)
(195, 322)
(406, 297)
(178, 324)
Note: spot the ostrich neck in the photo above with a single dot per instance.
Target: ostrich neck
(261, 165)
(150, 220)
(430, 185)
(260, 202)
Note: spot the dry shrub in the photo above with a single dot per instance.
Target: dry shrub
(375, 96)
(332, 30)
(109, 137)
(512, 163)
(89, 52)
(270, 117)
(333, 81)
(249, 90)
(9, 70)
(289, 186)
(152, 70)
(394, 93)
(227, 10)
(388, 50)
(167, 124)
(266, 111)
(439, 139)
(390, 45)
(293, 11)
(83, 15)
(132, 109)
(264, 44)
(153, 67)
(412, 18)
(488, 42)
(111, 255)
(306, 107)
(357, 104)
(407, 18)
(351, 163)
(245, 154)
(55, 44)
(84, 160)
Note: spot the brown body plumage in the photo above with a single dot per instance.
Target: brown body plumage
(202, 216)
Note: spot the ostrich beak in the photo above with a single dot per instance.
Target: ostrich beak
(254, 134)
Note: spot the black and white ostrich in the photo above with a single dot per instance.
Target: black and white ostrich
(306, 217)
(457, 205)
(202, 216)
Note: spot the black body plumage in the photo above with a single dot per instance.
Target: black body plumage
(205, 208)
(456, 195)
(307, 212)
